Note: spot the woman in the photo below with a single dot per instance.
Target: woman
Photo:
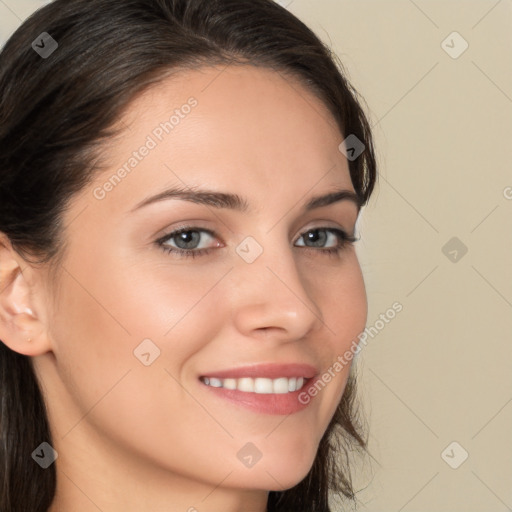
(179, 186)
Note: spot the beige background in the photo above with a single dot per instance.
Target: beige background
(440, 371)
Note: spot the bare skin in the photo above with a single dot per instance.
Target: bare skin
(132, 437)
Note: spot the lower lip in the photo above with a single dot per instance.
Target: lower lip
(266, 403)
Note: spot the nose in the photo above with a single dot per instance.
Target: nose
(272, 296)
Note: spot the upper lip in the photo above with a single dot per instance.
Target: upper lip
(267, 370)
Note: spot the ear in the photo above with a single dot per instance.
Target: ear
(21, 327)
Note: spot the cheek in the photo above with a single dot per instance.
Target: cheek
(134, 405)
(135, 318)
(343, 302)
(342, 297)
(92, 341)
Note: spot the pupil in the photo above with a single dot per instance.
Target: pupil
(316, 235)
(187, 239)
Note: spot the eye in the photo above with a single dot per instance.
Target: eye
(194, 241)
(330, 241)
(187, 241)
(319, 237)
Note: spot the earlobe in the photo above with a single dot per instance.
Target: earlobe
(21, 328)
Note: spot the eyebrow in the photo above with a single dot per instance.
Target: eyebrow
(238, 203)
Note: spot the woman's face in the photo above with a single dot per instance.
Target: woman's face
(134, 327)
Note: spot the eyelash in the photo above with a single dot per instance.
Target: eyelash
(343, 241)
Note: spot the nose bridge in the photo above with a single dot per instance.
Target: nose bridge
(271, 293)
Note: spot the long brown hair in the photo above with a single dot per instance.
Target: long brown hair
(54, 114)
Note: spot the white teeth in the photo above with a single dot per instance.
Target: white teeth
(259, 385)
(280, 385)
(229, 383)
(216, 383)
(245, 384)
(262, 386)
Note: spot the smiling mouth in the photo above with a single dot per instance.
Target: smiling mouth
(259, 385)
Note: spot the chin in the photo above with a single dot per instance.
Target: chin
(279, 472)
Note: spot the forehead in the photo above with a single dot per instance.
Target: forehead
(249, 104)
(239, 127)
